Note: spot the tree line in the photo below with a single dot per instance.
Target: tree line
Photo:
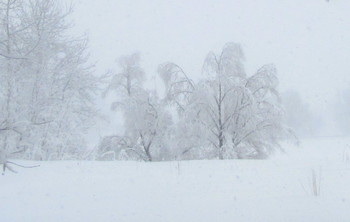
(48, 89)
(227, 114)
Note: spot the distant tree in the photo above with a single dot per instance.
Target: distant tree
(236, 115)
(298, 115)
(146, 120)
(129, 81)
(342, 112)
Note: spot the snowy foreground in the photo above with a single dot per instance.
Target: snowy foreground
(279, 189)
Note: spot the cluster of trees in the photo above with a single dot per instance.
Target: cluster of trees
(227, 114)
(47, 92)
(46, 86)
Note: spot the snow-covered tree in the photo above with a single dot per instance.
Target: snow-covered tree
(146, 120)
(129, 81)
(177, 85)
(342, 112)
(146, 124)
(46, 95)
(228, 112)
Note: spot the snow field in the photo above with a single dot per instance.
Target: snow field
(278, 189)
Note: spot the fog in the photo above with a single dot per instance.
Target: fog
(308, 41)
(182, 110)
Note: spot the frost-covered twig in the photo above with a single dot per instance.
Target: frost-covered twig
(6, 166)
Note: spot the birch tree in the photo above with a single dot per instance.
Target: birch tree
(238, 116)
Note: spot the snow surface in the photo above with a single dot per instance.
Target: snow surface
(278, 189)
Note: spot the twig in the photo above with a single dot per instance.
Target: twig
(33, 166)
(6, 166)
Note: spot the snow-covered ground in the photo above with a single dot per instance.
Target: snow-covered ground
(278, 189)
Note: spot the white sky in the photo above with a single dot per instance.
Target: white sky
(308, 40)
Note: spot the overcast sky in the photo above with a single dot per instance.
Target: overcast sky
(308, 40)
